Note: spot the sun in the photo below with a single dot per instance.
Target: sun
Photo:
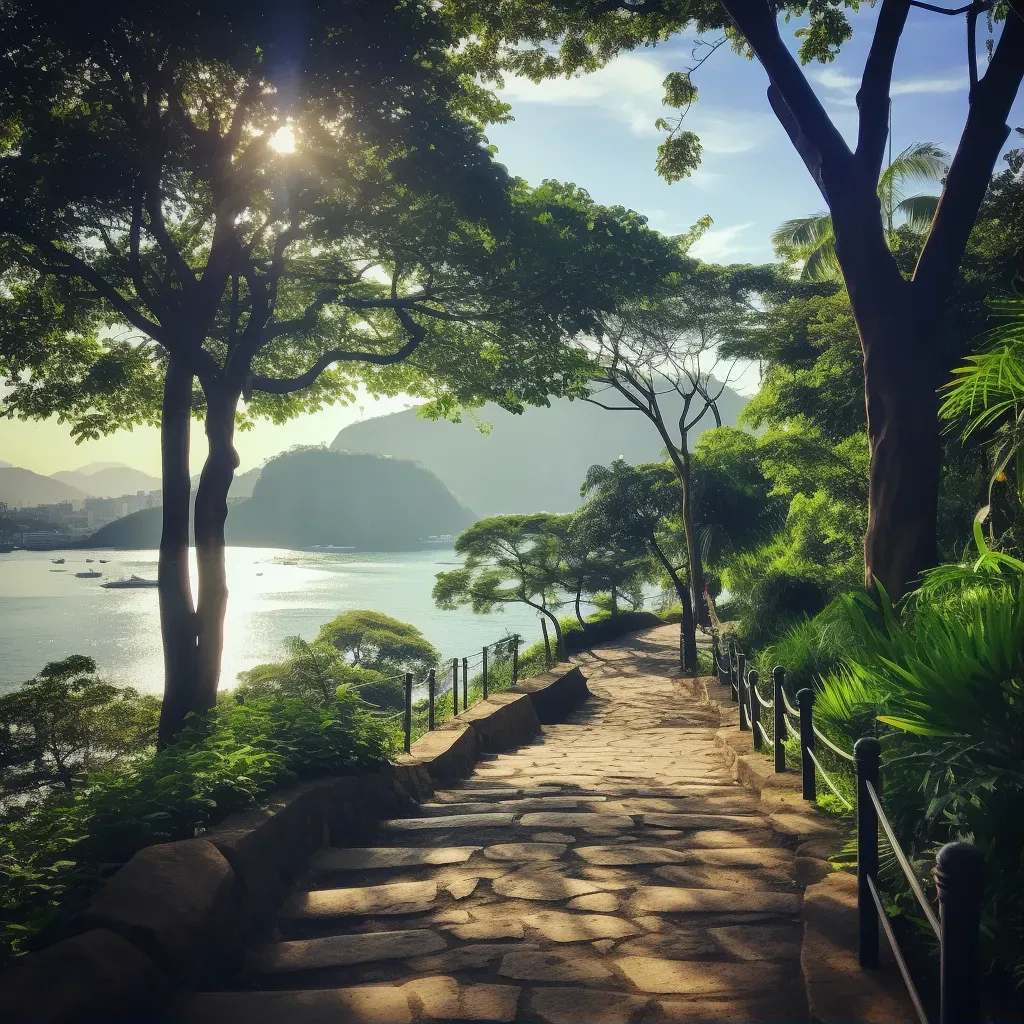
(283, 140)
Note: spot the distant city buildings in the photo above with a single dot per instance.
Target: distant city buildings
(75, 520)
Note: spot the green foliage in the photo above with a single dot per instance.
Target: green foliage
(810, 241)
(56, 851)
(376, 641)
(66, 722)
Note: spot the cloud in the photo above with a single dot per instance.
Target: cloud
(837, 82)
(721, 243)
(630, 89)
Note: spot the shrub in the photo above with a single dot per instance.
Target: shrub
(56, 852)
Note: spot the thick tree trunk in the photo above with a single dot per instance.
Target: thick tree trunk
(177, 612)
(579, 614)
(901, 375)
(900, 382)
(210, 516)
(687, 622)
(559, 640)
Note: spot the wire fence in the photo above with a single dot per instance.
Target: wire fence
(959, 867)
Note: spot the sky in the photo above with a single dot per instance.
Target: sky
(598, 132)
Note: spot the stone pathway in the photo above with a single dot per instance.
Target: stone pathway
(610, 871)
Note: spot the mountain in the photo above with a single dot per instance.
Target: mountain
(28, 488)
(111, 481)
(321, 497)
(529, 463)
(241, 486)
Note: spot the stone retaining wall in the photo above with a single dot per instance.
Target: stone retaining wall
(176, 913)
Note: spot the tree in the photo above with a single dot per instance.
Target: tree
(376, 641)
(508, 560)
(66, 722)
(633, 505)
(812, 241)
(278, 220)
(653, 351)
(896, 314)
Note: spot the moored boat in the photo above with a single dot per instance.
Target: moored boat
(89, 574)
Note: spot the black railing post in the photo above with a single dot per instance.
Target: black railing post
(733, 688)
(867, 757)
(515, 660)
(740, 689)
(779, 725)
(408, 712)
(805, 702)
(485, 672)
(465, 683)
(960, 881)
(455, 686)
(755, 706)
(431, 687)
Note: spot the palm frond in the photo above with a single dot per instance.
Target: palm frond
(796, 237)
(920, 162)
(917, 212)
(822, 264)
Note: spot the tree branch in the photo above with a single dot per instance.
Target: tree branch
(984, 134)
(873, 95)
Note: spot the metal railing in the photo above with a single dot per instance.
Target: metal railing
(444, 681)
(959, 871)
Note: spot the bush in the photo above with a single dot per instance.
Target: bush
(56, 852)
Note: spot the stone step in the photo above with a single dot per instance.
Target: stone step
(575, 819)
(457, 796)
(492, 820)
(437, 998)
(386, 900)
(516, 806)
(335, 858)
(656, 899)
(342, 950)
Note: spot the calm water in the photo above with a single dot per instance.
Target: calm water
(45, 616)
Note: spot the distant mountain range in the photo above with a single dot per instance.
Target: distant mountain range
(529, 463)
(22, 486)
(108, 481)
(319, 497)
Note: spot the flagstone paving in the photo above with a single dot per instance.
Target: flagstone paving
(609, 871)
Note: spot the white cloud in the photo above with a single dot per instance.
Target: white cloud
(838, 82)
(953, 82)
(630, 89)
(720, 243)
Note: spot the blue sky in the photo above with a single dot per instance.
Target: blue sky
(598, 131)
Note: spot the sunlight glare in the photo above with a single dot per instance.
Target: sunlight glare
(283, 140)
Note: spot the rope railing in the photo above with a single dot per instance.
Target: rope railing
(959, 867)
(452, 677)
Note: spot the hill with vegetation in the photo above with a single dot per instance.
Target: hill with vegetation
(318, 497)
(522, 463)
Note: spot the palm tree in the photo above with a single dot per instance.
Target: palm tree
(811, 239)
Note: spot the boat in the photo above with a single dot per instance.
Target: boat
(89, 574)
(103, 561)
(57, 561)
(131, 583)
(58, 570)
(89, 560)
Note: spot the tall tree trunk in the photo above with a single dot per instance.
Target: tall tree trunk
(559, 639)
(177, 612)
(687, 622)
(210, 516)
(901, 374)
(579, 614)
(693, 555)
(615, 600)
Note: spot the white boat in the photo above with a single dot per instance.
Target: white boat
(89, 574)
(130, 583)
(57, 561)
